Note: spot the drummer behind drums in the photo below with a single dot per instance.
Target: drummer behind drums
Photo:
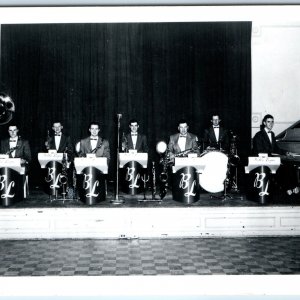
(183, 141)
(216, 137)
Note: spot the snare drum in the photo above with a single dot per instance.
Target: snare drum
(214, 174)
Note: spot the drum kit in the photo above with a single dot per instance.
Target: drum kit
(220, 172)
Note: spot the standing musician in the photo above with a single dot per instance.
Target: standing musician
(183, 141)
(134, 140)
(16, 147)
(94, 143)
(216, 137)
(264, 142)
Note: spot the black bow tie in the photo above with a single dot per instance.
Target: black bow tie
(93, 139)
(216, 126)
(57, 134)
(269, 131)
(134, 134)
(181, 135)
(12, 140)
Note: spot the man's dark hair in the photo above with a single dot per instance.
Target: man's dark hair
(181, 121)
(133, 121)
(57, 121)
(94, 123)
(268, 116)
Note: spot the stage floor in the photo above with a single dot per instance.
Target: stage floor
(39, 199)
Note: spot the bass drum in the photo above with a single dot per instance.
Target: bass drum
(214, 174)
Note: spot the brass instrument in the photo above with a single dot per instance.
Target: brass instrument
(233, 163)
(167, 160)
(47, 143)
(234, 159)
(124, 143)
(7, 108)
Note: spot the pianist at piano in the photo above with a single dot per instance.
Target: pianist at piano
(264, 141)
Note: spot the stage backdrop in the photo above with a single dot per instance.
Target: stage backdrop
(155, 72)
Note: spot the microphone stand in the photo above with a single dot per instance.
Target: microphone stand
(117, 200)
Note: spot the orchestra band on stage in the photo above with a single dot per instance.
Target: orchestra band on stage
(214, 157)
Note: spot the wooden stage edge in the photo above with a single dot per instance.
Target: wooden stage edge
(146, 220)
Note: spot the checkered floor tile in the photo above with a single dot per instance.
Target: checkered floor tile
(271, 255)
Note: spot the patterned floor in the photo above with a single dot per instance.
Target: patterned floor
(204, 256)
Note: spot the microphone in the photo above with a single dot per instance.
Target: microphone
(119, 116)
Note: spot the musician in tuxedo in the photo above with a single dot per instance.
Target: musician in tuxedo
(94, 143)
(264, 142)
(134, 140)
(183, 140)
(59, 141)
(16, 147)
(216, 137)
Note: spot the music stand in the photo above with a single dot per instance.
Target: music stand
(54, 158)
(11, 170)
(189, 165)
(262, 165)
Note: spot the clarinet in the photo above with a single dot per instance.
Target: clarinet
(98, 147)
(11, 150)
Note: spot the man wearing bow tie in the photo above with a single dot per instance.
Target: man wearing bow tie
(183, 140)
(94, 143)
(216, 137)
(264, 141)
(59, 141)
(135, 140)
(16, 147)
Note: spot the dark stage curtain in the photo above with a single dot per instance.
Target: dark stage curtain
(155, 72)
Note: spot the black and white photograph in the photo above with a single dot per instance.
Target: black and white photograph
(149, 151)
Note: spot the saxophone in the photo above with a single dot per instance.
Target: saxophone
(124, 143)
(48, 138)
(167, 161)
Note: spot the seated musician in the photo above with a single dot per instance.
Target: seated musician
(16, 147)
(94, 144)
(60, 141)
(183, 142)
(134, 140)
(264, 142)
(216, 137)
